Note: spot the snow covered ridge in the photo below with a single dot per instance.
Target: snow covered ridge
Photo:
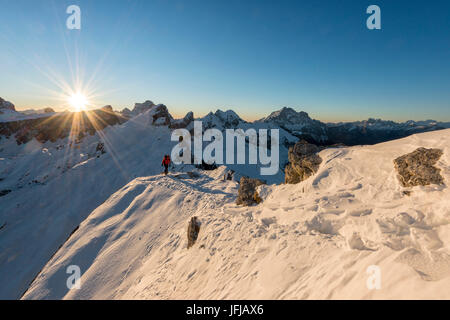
(8, 112)
(318, 239)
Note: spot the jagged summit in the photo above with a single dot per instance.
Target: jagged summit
(222, 119)
(6, 105)
(298, 124)
(287, 115)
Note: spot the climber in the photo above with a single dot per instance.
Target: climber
(165, 163)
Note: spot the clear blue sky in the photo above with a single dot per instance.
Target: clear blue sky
(253, 56)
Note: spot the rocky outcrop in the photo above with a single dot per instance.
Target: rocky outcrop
(49, 110)
(142, 107)
(206, 166)
(107, 108)
(6, 105)
(417, 168)
(193, 231)
(182, 123)
(229, 175)
(222, 120)
(303, 162)
(126, 113)
(4, 192)
(247, 194)
(161, 115)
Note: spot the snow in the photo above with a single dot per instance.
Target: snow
(40, 216)
(11, 115)
(55, 186)
(313, 240)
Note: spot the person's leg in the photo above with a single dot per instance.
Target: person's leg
(166, 169)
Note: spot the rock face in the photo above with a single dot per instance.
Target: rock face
(298, 124)
(6, 105)
(228, 175)
(161, 115)
(221, 120)
(417, 168)
(247, 194)
(193, 231)
(303, 162)
(107, 108)
(182, 123)
(206, 166)
(126, 113)
(142, 107)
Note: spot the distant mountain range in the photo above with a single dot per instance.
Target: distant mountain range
(293, 123)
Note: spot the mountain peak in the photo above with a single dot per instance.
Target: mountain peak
(287, 115)
(6, 105)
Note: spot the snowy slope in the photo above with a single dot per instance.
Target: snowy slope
(311, 240)
(55, 186)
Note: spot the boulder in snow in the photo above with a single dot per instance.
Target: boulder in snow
(417, 168)
(247, 194)
(193, 231)
(303, 162)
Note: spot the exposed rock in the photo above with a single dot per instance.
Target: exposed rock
(142, 107)
(107, 108)
(247, 194)
(126, 113)
(206, 166)
(228, 175)
(193, 231)
(303, 162)
(221, 119)
(193, 175)
(182, 123)
(161, 115)
(417, 168)
(100, 148)
(6, 105)
(49, 110)
(4, 192)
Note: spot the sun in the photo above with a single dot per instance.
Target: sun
(78, 101)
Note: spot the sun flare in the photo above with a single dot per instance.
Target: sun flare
(78, 101)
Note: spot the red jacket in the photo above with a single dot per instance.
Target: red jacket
(166, 161)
